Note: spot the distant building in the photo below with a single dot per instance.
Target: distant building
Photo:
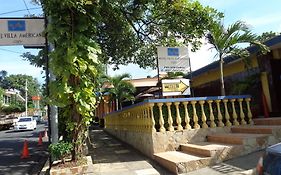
(10, 95)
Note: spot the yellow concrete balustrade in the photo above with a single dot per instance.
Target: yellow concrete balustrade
(176, 114)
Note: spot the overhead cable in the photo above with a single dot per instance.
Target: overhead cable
(26, 7)
(35, 8)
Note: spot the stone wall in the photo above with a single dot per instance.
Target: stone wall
(151, 143)
(142, 141)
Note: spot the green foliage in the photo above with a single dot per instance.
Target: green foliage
(267, 36)
(60, 150)
(18, 82)
(121, 89)
(3, 81)
(35, 60)
(242, 86)
(229, 41)
(1, 96)
(13, 108)
(129, 31)
(88, 33)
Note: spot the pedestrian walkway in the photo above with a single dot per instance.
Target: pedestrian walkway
(112, 157)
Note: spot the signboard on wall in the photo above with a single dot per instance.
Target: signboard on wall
(174, 87)
(173, 59)
(22, 31)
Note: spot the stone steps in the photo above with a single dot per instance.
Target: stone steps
(256, 129)
(222, 146)
(206, 149)
(267, 121)
(218, 152)
(235, 138)
(178, 162)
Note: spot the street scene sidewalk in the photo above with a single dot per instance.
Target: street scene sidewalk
(113, 157)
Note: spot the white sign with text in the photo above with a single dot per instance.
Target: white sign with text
(173, 59)
(22, 31)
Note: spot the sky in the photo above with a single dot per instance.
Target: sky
(261, 15)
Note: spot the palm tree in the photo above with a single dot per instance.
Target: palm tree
(229, 41)
(121, 89)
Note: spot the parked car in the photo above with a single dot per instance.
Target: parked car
(37, 118)
(25, 123)
(270, 163)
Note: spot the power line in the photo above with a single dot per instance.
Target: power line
(26, 7)
(7, 50)
(35, 8)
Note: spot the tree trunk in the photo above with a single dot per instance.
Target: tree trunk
(221, 77)
(79, 128)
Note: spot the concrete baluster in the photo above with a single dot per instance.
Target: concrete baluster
(220, 123)
(179, 127)
(186, 116)
(204, 118)
(170, 119)
(234, 114)
(137, 120)
(152, 117)
(161, 119)
(142, 122)
(242, 115)
(124, 121)
(250, 116)
(227, 117)
(212, 117)
(195, 117)
(146, 120)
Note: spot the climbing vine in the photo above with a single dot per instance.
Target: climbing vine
(75, 64)
(88, 33)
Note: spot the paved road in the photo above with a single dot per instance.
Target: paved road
(11, 145)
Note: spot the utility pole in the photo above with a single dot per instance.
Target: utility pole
(52, 110)
(26, 97)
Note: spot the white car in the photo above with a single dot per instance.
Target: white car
(25, 123)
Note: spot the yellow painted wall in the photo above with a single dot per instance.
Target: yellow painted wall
(229, 69)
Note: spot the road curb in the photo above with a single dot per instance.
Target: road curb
(246, 172)
(45, 170)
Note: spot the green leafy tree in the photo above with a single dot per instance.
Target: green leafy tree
(88, 33)
(266, 36)
(35, 60)
(142, 25)
(18, 82)
(1, 97)
(227, 41)
(3, 81)
(121, 89)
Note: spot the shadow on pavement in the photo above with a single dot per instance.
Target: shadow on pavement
(105, 148)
